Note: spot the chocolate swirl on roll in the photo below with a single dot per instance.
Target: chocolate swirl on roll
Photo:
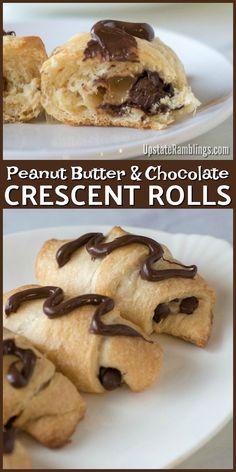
(54, 307)
(97, 248)
(9, 33)
(115, 40)
(9, 436)
(19, 378)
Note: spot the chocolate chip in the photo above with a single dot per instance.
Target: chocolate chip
(110, 378)
(189, 305)
(161, 312)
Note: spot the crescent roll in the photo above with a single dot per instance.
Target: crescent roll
(149, 286)
(15, 455)
(95, 355)
(117, 75)
(22, 60)
(36, 398)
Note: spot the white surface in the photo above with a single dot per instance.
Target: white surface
(192, 399)
(210, 76)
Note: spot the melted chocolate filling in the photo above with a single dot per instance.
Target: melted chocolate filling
(98, 249)
(19, 378)
(147, 92)
(55, 307)
(187, 306)
(110, 378)
(115, 40)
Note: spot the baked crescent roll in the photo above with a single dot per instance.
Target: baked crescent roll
(149, 286)
(15, 455)
(94, 347)
(22, 61)
(36, 398)
(117, 75)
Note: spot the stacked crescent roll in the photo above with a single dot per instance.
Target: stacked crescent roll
(32, 401)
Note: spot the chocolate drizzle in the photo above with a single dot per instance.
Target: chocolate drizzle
(19, 378)
(9, 436)
(115, 40)
(9, 33)
(98, 249)
(65, 252)
(54, 307)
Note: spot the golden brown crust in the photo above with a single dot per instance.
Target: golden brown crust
(117, 275)
(40, 408)
(79, 354)
(72, 93)
(22, 60)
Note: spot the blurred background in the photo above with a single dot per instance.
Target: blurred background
(207, 22)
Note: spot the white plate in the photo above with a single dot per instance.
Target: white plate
(190, 402)
(210, 76)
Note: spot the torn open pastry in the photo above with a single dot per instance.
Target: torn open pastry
(117, 75)
(85, 337)
(15, 455)
(22, 61)
(36, 398)
(149, 286)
